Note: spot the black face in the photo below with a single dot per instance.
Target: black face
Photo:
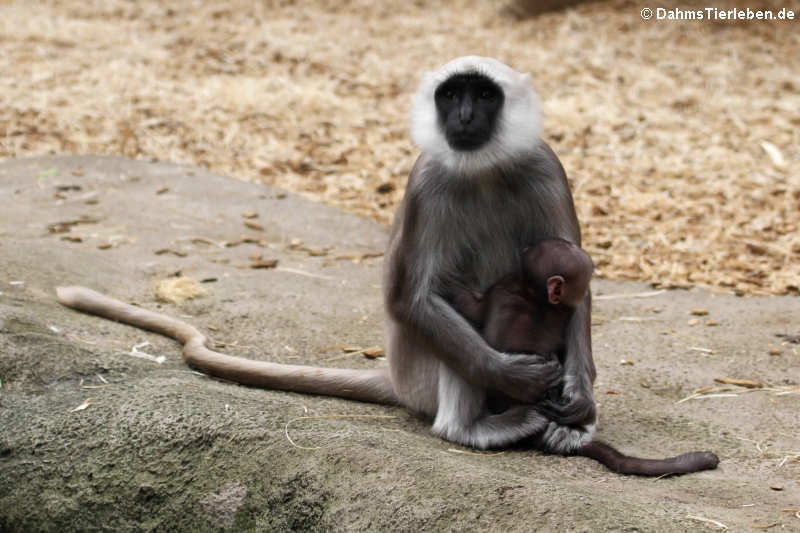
(468, 106)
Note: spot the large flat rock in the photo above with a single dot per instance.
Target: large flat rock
(160, 447)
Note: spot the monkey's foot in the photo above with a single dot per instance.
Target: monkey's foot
(566, 439)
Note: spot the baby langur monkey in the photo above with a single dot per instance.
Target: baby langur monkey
(529, 312)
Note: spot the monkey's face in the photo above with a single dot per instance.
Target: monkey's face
(468, 106)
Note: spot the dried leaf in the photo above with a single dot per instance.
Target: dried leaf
(86, 403)
(163, 251)
(245, 239)
(264, 263)
(253, 225)
(794, 339)
(176, 290)
(774, 154)
(708, 521)
(374, 352)
(700, 349)
(358, 257)
(750, 384)
(67, 225)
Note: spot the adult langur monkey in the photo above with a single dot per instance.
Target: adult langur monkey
(484, 187)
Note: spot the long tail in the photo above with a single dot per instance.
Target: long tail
(623, 464)
(365, 385)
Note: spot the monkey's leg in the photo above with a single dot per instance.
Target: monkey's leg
(365, 385)
(462, 416)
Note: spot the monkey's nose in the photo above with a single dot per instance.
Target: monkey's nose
(465, 111)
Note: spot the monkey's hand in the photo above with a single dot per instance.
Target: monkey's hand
(569, 410)
(527, 377)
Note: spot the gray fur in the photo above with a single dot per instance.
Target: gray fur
(466, 218)
(469, 223)
(473, 231)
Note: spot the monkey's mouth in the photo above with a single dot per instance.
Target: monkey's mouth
(465, 141)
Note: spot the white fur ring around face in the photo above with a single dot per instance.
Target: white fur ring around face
(519, 123)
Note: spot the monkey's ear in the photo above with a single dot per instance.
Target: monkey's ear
(555, 286)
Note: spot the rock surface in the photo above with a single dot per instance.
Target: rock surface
(95, 439)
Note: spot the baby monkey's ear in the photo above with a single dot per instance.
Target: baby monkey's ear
(555, 286)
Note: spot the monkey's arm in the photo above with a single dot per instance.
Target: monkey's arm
(576, 406)
(524, 377)
(470, 304)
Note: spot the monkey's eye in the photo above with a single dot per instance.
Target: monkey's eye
(450, 94)
(486, 95)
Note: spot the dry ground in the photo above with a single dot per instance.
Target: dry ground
(680, 138)
(92, 439)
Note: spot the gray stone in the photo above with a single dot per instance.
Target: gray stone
(160, 447)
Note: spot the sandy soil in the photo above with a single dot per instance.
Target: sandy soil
(680, 137)
(94, 439)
